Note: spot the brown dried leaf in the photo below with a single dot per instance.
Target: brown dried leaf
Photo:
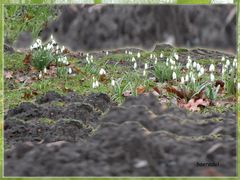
(140, 90)
(8, 74)
(27, 59)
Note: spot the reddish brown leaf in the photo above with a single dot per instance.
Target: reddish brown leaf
(103, 78)
(140, 90)
(27, 59)
(157, 89)
(175, 91)
(221, 83)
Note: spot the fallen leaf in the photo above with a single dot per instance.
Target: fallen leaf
(221, 83)
(27, 59)
(103, 78)
(140, 90)
(8, 74)
(127, 93)
(157, 89)
(194, 105)
(173, 90)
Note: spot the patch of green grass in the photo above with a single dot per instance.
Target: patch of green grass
(32, 18)
(14, 61)
(47, 121)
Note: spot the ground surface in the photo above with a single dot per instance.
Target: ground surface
(73, 135)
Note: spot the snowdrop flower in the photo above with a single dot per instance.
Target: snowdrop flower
(223, 70)
(113, 83)
(212, 77)
(171, 67)
(189, 58)
(106, 52)
(188, 65)
(40, 75)
(202, 70)
(193, 79)
(182, 80)
(97, 83)
(227, 63)
(211, 68)
(174, 76)
(133, 59)
(44, 48)
(91, 58)
(144, 72)
(167, 63)
(94, 85)
(194, 64)
(238, 86)
(176, 56)
(87, 55)
(45, 70)
(135, 65)
(198, 67)
(151, 56)
(199, 74)
(39, 41)
(70, 70)
(187, 78)
(235, 62)
(126, 52)
(49, 46)
(161, 55)
(155, 62)
(138, 55)
(102, 71)
(62, 49)
(87, 60)
(146, 66)
(223, 58)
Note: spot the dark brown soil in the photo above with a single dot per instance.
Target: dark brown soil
(90, 136)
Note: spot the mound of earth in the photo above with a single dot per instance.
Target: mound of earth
(90, 136)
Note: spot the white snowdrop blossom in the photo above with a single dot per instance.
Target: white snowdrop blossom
(161, 55)
(188, 65)
(146, 66)
(151, 56)
(212, 68)
(235, 62)
(212, 78)
(198, 67)
(133, 59)
(144, 72)
(113, 82)
(106, 52)
(156, 60)
(135, 65)
(97, 83)
(223, 70)
(194, 64)
(167, 63)
(227, 63)
(87, 60)
(40, 75)
(49, 46)
(187, 78)
(238, 86)
(45, 70)
(189, 58)
(202, 70)
(176, 56)
(102, 71)
(70, 71)
(126, 52)
(223, 58)
(182, 80)
(91, 58)
(193, 79)
(62, 49)
(138, 55)
(174, 76)
(93, 84)
(171, 67)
